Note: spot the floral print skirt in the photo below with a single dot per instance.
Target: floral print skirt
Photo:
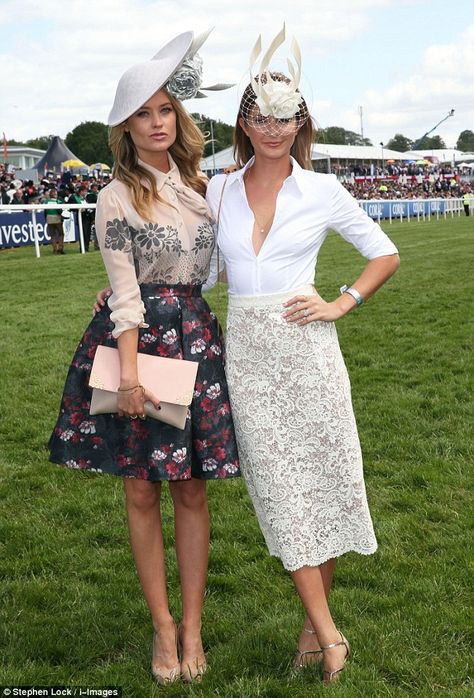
(297, 436)
(181, 326)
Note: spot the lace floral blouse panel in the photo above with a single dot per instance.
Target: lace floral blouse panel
(175, 248)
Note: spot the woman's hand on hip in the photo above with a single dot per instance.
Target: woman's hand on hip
(301, 310)
(100, 300)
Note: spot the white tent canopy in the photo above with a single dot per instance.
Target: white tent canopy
(354, 152)
(349, 153)
(444, 156)
(319, 151)
(219, 161)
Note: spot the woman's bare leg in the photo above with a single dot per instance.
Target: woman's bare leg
(192, 550)
(327, 573)
(307, 641)
(146, 540)
(311, 589)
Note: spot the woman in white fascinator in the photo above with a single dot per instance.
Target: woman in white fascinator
(290, 393)
(156, 238)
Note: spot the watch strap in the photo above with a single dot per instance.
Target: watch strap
(352, 292)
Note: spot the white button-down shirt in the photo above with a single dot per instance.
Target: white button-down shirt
(308, 205)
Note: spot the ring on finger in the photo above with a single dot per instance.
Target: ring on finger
(305, 312)
(133, 416)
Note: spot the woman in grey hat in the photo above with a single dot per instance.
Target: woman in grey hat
(156, 239)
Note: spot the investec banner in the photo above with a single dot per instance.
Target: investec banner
(16, 229)
(403, 209)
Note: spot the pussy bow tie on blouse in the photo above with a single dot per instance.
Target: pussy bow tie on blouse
(186, 196)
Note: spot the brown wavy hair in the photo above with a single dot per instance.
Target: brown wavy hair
(301, 148)
(186, 151)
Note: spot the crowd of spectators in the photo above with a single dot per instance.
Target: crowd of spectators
(395, 182)
(368, 188)
(405, 181)
(68, 186)
(62, 189)
(400, 169)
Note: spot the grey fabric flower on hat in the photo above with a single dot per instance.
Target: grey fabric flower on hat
(186, 81)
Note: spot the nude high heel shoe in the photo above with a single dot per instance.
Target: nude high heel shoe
(305, 658)
(331, 676)
(190, 672)
(164, 676)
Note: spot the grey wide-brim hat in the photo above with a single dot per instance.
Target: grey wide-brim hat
(142, 80)
(177, 67)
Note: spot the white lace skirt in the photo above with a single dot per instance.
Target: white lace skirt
(296, 433)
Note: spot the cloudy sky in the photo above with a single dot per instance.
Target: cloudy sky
(406, 62)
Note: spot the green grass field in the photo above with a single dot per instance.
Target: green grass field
(72, 612)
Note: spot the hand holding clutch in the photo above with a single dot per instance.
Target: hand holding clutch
(131, 402)
(172, 380)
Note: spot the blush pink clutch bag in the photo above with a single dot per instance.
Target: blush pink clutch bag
(171, 380)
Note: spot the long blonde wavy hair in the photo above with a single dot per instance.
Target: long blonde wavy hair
(186, 151)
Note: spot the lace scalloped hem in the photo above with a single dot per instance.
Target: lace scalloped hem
(317, 561)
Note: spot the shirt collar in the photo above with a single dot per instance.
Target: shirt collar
(295, 177)
(186, 195)
(297, 174)
(162, 178)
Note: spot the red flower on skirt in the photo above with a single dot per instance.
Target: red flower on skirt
(218, 453)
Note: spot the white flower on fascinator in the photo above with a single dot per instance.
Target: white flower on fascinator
(281, 101)
(276, 96)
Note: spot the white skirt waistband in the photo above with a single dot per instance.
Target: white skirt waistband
(269, 299)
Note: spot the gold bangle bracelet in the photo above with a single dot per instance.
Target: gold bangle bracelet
(131, 390)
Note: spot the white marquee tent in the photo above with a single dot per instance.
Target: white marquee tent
(341, 154)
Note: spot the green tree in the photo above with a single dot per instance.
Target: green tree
(337, 135)
(12, 141)
(332, 134)
(41, 142)
(465, 141)
(223, 133)
(353, 138)
(427, 143)
(89, 142)
(400, 143)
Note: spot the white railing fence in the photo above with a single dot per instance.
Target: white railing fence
(413, 209)
(379, 209)
(43, 207)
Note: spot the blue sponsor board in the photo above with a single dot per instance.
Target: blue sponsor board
(17, 230)
(410, 208)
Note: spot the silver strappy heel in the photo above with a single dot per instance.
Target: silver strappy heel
(330, 676)
(301, 657)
